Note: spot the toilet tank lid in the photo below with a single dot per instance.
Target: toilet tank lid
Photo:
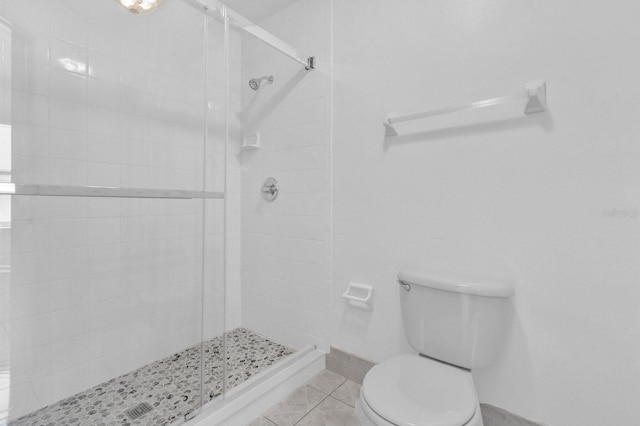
(457, 282)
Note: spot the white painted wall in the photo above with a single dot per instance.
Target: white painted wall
(529, 191)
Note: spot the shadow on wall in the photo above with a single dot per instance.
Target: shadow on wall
(542, 120)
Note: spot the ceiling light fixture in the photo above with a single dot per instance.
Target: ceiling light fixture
(139, 6)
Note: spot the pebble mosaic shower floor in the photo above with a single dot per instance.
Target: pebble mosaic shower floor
(170, 386)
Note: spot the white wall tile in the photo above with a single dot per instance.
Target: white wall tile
(103, 66)
(29, 236)
(68, 145)
(68, 86)
(30, 300)
(69, 292)
(30, 109)
(29, 333)
(30, 268)
(67, 172)
(104, 258)
(104, 148)
(35, 363)
(104, 93)
(68, 353)
(24, 397)
(68, 323)
(85, 111)
(283, 242)
(68, 233)
(30, 141)
(103, 174)
(68, 115)
(69, 27)
(70, 381)
(68, 263)
(103, 121)
(29, 78)
(104, 230)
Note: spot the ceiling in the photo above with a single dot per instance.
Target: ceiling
(257, 10)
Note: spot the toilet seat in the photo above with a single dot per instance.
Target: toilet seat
(409, 390)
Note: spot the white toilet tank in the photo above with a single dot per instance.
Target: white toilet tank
(455, 317)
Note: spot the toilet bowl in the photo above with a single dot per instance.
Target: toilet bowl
(410, 390)
(456, 322)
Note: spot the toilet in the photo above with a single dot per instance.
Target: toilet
(456, 322)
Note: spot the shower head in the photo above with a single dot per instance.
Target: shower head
(139, 6)
(255, 83)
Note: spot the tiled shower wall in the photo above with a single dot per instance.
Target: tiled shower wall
(98, 287)
(285, 244)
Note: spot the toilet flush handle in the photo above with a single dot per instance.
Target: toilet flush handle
(405, 285)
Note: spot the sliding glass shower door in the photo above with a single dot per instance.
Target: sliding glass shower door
(111, 212)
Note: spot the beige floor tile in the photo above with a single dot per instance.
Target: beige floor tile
(288, 411)
(330, 412)
(326, 381)
(348, 392)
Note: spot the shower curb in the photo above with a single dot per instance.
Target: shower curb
(249, 400)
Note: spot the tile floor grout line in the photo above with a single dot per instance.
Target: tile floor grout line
(338, 399)
(320, 390)
(313, 408)
(305, 414)
(315, 411)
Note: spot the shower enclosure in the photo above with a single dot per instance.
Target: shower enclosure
(130, 215)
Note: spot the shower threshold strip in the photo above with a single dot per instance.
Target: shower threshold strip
(103, 191)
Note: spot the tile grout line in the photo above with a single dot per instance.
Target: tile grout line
(307, 384)
(313, 408)
(305, 414)
(338, 399)
(323, 399)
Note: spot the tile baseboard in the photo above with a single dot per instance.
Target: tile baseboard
(494, 416)
(348, 365)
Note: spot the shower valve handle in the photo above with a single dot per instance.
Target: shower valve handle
(270, 189)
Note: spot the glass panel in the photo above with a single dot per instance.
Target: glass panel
(214, 308)
(282, 277)
(101, 299)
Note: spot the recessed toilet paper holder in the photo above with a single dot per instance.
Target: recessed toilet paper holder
(359, 296)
